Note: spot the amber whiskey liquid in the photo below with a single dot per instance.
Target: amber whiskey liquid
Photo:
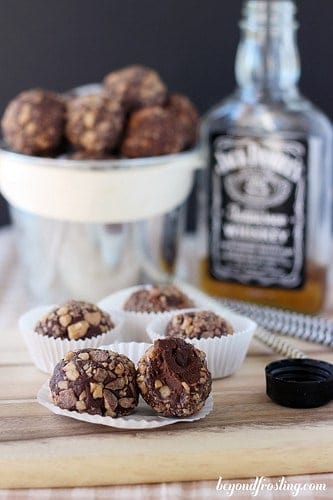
(309, 299)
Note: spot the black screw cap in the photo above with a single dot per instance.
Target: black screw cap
(299, 383)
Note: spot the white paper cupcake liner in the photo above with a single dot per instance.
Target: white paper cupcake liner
(136, 323)
(143, 417)
(45, 352)
(225, 354)
(133, 350)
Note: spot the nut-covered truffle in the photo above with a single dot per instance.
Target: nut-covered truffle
(158, 298)
(94, 122)
(33, 123)
(151, 132)
(186, 116)
(173, 378)
(95, 381)
(75, 320)
(135, 87)
(198, 325)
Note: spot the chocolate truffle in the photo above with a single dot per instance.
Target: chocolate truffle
(198, 325)
(75, 320)
(186, 116)
(94, 122)
(33, 123)
(151, 132)
(95, 381)
(173, 378)
(158, 298)
(135, 87)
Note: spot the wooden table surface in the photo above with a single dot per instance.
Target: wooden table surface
(246, 435)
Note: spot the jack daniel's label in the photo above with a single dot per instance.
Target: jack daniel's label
(257, 210)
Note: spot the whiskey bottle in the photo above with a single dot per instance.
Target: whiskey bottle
(265, 217)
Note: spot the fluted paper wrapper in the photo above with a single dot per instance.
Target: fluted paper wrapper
(46, 352)
(143, 418)
(224, 354)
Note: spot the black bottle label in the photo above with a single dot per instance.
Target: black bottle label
(257, 210)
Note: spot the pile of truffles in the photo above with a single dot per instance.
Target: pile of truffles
(132, 115)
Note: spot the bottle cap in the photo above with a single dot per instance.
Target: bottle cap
(299, 383)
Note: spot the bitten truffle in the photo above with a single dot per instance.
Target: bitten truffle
(75, 320)
(94, 123)
(95, 381)
(157, 299)
(198, 325)
(151, 132)
(33, 123)
(173, 378)
(135, 87)
(187, 117)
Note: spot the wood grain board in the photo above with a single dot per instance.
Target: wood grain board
(246, 435)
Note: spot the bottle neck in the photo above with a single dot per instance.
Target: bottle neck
(267, 61)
